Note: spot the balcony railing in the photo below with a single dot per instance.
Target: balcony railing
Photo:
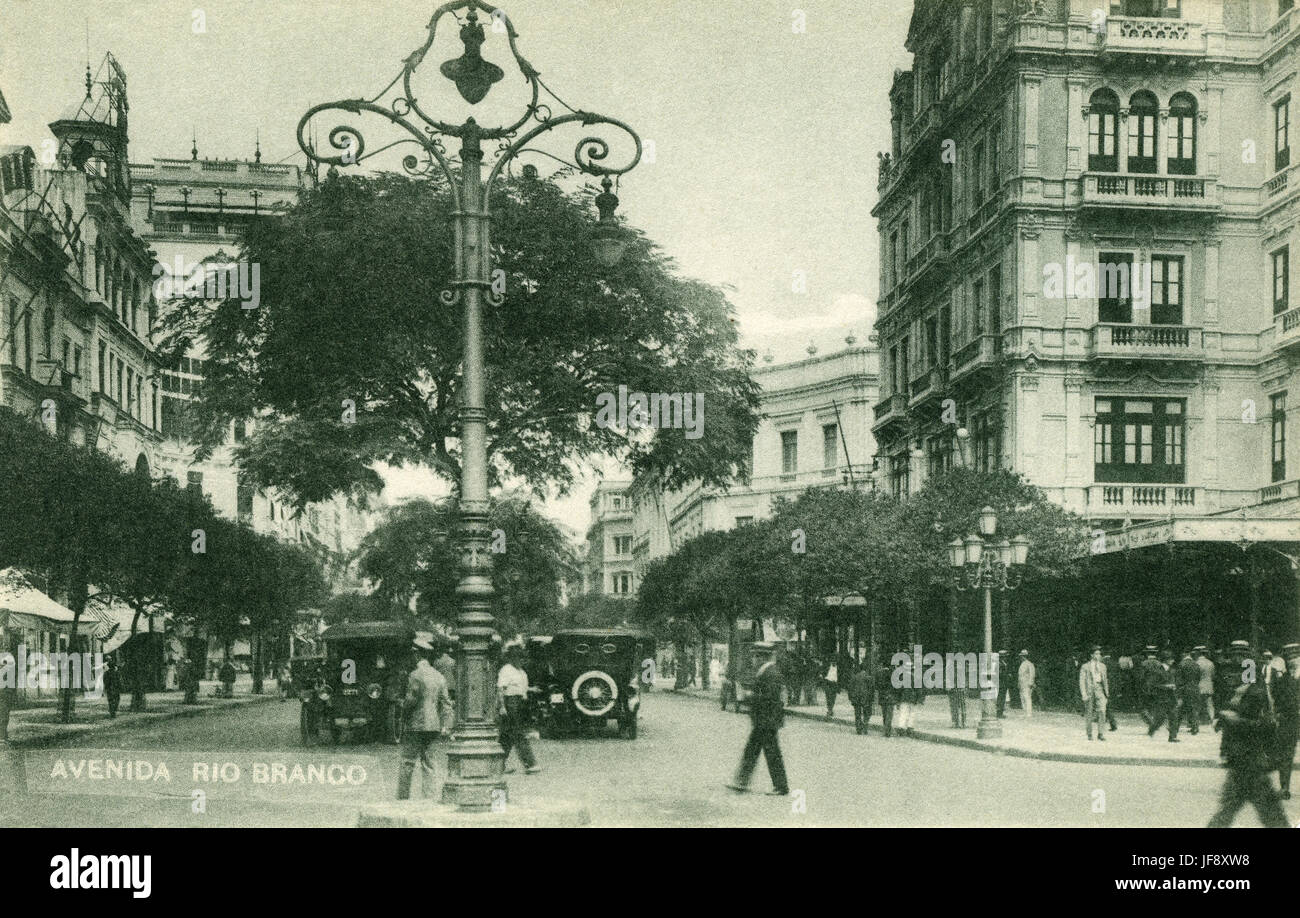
(978, 352)
(1277, 184)
(1283, 490)
(1281, 27)
(890, 405)
(1106, 498)
(1154, 36)
(1120, 189)
(1167, 342)
(1287, 329)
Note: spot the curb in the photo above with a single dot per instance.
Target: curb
(992, 749)
(65, 733)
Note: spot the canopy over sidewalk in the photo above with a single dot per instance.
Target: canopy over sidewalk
(22, 605)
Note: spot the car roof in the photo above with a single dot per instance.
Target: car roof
(351, 631)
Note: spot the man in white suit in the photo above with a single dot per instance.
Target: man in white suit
(1094, 687)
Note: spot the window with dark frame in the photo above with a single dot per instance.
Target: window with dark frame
(1103, 132)
(789, 452)
(1115, 288)
(1282, 133)
(1278, 415)
(1142, 113)
(830, 446)
(1139, 440)
(1182, 135)
(1281, 280)
(1166, 290)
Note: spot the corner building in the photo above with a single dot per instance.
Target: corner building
(1042, 149)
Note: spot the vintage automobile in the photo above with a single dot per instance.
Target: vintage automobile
(361, 684)
(587, 677)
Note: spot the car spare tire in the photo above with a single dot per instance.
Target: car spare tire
(594, 693)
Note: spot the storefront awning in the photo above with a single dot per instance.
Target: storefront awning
(1242, 530)
(19, 597)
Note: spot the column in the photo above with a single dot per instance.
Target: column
(1032, 86)
(1076, 127)
(1073, 431)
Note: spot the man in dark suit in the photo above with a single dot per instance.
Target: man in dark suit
(1187, 677)
(1249, 740)
(1286, 702)
(767, 716)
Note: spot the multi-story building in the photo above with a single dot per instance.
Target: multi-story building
(76, 347)
(814, 431)
(1085, 225)
(607, 565)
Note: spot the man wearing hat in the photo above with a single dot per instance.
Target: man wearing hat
(1286, 704)
(1205, 687)
(1164, 696)
(1249, 743)
(1187, 676)
(1150, 675)
(767, 716)
(1026, 676)
(428, 713)
(1094, 688)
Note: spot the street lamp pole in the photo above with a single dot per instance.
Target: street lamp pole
(475, 761)
(979, 562)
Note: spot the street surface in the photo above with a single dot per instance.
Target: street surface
(672, 775)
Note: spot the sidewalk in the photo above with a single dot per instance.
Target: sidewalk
(37, 723)
(1048, 735)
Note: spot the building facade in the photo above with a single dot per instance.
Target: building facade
(1085, 220)
(607, 562)
(76, 348)
(1085, 223)
(814, 431)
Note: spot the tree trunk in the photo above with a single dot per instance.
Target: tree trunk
(137, 670)
(704, 662)
(257, 663)
(77, 593)
(679, 667)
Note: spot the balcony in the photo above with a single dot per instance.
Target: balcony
(1286, 328)
(1138, 342)
(1153, 36)
(982, 352)
(1283, 490)
(928, 259)
(890, 412)
(1120, 500)
(1172, 192)
(929, 385)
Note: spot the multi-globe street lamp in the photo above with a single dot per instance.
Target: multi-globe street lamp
(476, 762)
(980, 562)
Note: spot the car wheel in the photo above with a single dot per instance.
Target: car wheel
(594, 693)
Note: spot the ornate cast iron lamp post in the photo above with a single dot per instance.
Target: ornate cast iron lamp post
(475, 761)
(979, 562)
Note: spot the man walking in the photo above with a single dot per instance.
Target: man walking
(1026, 676)
(1112, 670)
(512, 698)
(862, 692)
(1286, 702)
(831, 686)
(957, 697)
(1205, 687)
(1164, 695)
(887, 695)
(1249, 737)
(767, 716)
(1094, 689)
(428, 713)
(1187, 678)
(113, 686)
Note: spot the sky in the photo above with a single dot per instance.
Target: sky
(764, 134)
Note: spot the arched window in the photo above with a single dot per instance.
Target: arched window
(1103, 131)
(1142, 112)
(1182, 135)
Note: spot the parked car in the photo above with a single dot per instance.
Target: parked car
(585, 678)
(362, 681)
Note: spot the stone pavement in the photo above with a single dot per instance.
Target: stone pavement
(1048, 735)
(37, 722)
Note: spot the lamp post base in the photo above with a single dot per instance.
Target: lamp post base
(989, 726)
(475, 775)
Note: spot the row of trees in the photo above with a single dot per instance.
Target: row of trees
(829, 542)
(95, 532)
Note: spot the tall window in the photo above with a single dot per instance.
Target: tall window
(977, 309)
(789, 452)
(623, 545)
(904, 237)
(243, 497)
(1114, 287)
(995, 149)
(47, 333)
(977, 177)
(995, 304)
(830, 446)
(1182, 135)
(904, 355)
(1103, 131)
(987, 437)
(27, 343)
(931, 341)
(893, 370)
(1278, 403)
(893, 259)
(1281, 280)
(1166, 290)
(1139, 440)
(1142, 112)
(1282, 133)
(103, 365)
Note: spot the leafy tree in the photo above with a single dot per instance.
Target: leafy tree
(355, 272)
(413, 554)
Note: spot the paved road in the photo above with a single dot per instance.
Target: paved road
(673, 774)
